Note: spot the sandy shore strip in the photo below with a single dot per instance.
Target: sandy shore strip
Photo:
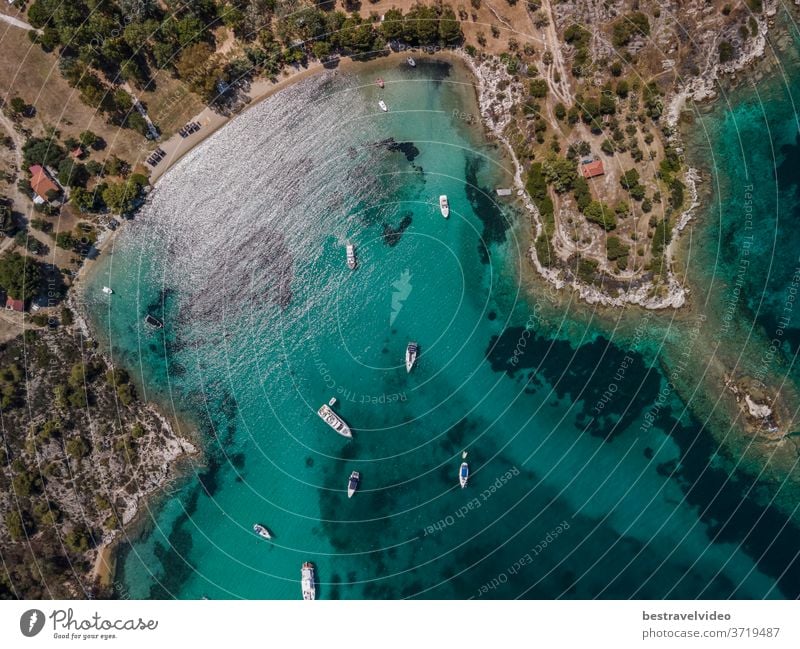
(104, 565)
(211, 121)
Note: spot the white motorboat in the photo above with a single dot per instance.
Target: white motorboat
(463, 474)
(352, 483)
(411, 62)
(383, 105)
(307, 579)
(262, 531)
(444, 206)
(334, 421)
(107, 290)
(351, 257)
(412, 351)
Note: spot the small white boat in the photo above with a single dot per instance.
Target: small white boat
(463, 474)
(412, 351)
(262, 531)
(307, 579)
(107, 290)
(383, 105)
(411, 62)
(352, 483)
(351, 257)
(444, 206)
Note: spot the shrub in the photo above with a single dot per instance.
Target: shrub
(626, 27)
(560, 173)
(725, 50)
(601, 214)
(538, 88)
(616, 248)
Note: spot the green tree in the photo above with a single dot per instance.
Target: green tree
(19, 276)
(538, 89)
(77, 541)
(88, 138)
(18, 105)
(601, 214)
(199, 68)
(615, 248)
(560, 173)
(422, 25)
(449, 27)
(42, 151)
(393, 25)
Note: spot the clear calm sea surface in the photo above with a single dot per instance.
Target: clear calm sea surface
(589, 476)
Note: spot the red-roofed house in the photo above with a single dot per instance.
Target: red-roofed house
(592, 169)
(42, 184)
(77, 153)
(14, 305)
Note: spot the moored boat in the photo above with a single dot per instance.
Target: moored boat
(107, 290)
(334, 421)
(380, 82)
(352, 483)
(411, 62)
(351, 256)
(262, 531)
(307, 581)
(463, 474)
(153, 321)
(383, 105)
(444, 206)
(412, 351)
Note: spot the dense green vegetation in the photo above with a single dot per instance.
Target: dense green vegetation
(49, 527)
(579, 37)
(601, 214)
(626, 27)
(617, 251)
(560, 173)
(19, 276)
(536, 186)
(104, 44)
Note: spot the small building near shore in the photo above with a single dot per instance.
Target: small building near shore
(77, 153)
(43, 186)
(14, 305)
(592, 169)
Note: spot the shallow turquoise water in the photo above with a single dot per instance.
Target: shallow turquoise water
(241, 252)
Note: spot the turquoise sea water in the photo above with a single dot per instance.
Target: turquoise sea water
(577, 488)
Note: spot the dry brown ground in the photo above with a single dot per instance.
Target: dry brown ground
(512, 22)
(27, 71)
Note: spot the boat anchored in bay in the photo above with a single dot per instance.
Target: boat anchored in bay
(262, 531)
(444, 206)
(333, 420)
(352, 483)
(463, 471)
(154, 322)
(307, 579)
(383, 106)
(412, 351)
(351, 256)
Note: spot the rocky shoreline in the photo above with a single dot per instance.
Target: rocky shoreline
(498, 91)
(165, 448)
(491, 76)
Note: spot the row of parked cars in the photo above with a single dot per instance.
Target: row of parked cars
(156, 157)
(191, 127)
